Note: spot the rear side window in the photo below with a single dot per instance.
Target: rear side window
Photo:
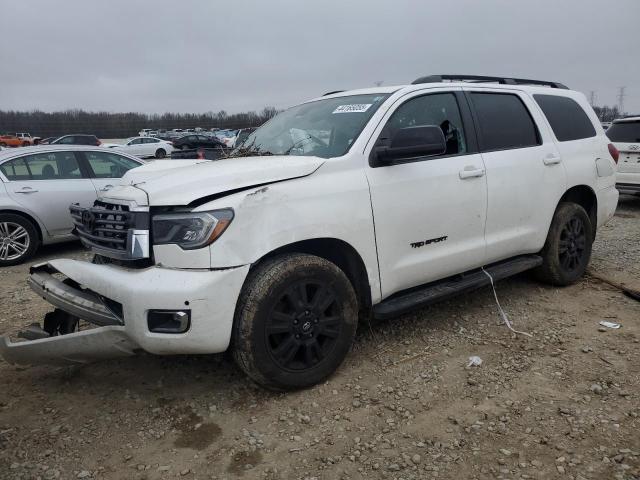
(567, 119)
(15, 170)
(624, 132)
(109, 165)
(504, 122)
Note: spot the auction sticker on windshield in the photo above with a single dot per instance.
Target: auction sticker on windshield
(353, 108)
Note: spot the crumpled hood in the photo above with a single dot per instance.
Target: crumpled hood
(180, 182)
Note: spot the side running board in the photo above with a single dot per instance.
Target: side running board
(418, 297)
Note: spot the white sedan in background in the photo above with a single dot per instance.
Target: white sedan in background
(145, 147)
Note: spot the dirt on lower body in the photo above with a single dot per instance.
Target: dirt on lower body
(564, 403)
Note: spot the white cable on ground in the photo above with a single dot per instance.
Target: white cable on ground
(502, 313)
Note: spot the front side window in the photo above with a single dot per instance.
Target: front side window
(65, 140)
(504, 122)
(109, 165)
(439, 109)
(324, 128)
(135, 141)
(624, 132)
(567, 119)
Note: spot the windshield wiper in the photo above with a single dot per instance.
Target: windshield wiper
(249, 153)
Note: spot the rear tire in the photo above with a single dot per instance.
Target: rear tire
(567, 250)
(294, 322)
(160, 153)
(18, 239)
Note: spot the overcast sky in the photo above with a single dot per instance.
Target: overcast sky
(237, 55)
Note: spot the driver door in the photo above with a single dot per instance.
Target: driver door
(429, 212)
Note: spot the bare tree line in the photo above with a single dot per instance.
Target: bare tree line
(122, 125)
(606, 113)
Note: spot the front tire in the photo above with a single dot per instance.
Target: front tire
(160, 153)
(18, 239)
(295, 321)
(567, 250)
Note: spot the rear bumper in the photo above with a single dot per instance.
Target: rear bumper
(210, 295)
(607, 204)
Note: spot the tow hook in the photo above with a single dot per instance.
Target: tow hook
(56, 323)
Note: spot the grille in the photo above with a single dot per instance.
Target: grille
(112, 230)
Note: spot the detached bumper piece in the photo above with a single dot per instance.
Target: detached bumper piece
(75, 348)
(57, 342)
(67, 296)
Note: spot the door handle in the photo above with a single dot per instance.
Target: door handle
(106, 187)
(26, 190)
(551, 159)
(471, 172)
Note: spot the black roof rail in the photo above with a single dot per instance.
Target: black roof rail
(331, 93)
(482, 78)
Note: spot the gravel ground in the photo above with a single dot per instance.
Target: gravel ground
(562, 404)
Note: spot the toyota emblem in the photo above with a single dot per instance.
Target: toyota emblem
(88, 221)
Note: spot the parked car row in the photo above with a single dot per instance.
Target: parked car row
(18, 140)
(145, 147)
(229, 137)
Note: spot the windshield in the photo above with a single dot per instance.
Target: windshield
(325, 128)
(625, 132)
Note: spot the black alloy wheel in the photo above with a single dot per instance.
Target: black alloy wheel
(303, 325)
(572, 245)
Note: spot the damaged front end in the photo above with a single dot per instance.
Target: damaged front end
(58, 340)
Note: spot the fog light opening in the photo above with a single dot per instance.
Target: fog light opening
(169, 321)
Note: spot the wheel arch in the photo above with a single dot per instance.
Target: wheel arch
(584, 196)
(340, 253)
(28, 217)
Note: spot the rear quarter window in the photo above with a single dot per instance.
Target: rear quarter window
(568, 120)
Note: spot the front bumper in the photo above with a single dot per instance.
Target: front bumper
(92, 292)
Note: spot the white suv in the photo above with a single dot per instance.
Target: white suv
(362, 203)
(625, 135)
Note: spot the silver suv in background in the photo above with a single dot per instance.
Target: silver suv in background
(625, 135)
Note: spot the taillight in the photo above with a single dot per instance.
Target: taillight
(615, 153)
(200, 155)
(98, 143)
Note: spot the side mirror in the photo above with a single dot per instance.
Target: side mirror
(408, 143)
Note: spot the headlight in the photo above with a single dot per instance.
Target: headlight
(190, 230)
